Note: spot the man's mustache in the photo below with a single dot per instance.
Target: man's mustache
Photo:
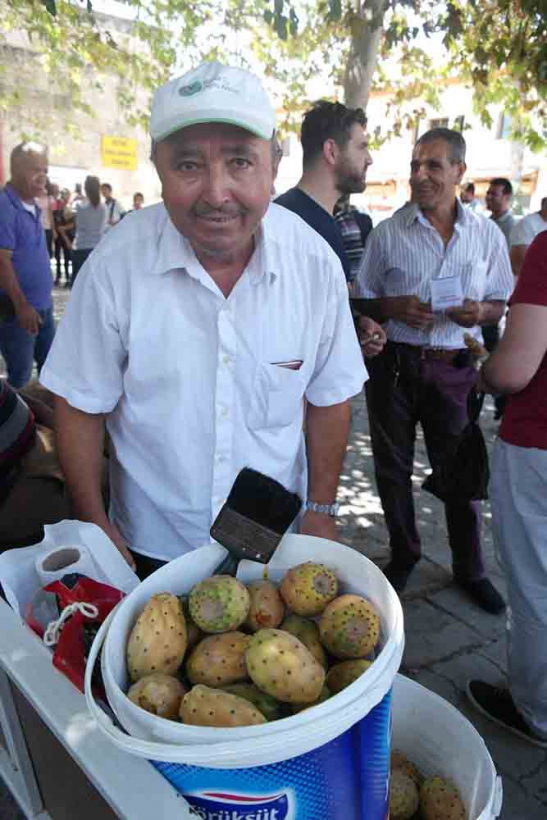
(224, 211)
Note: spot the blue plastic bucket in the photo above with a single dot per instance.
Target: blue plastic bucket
(323, 763)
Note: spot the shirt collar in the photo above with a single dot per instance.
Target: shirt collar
(414, 213)
(175, 252)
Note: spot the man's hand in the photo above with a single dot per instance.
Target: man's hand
(468, 315)
(318, 524)
(372, 336)
(28, 318)
(121, 544)
(410, 310)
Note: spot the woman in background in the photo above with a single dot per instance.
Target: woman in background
(90, 220)
(518, 491)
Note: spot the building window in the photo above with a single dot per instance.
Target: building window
(504, 127)
(459, 123)
(441, 122)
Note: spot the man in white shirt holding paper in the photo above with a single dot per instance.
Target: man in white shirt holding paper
(204, 332)
(431, 273)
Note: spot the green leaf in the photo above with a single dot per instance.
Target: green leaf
(51, 7)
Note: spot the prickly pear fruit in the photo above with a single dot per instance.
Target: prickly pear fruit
(440, 800)
(219, 603)
(158, 640)
(194, 632)
(308, 588)
(280, 665)
(270, 708)
(404, 798)
(300, 707)
(158, 694)
(219, 660)
(203, 706)
(350, 627)
(342, 674)
(307, 632)
(401, 761)
(266, 606)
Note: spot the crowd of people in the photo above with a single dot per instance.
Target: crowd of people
(218, 330)
(75, 222)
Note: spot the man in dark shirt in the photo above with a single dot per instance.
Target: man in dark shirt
(335, 162)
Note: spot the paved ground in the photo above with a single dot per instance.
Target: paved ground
(448, 639)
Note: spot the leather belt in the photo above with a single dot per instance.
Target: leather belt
(436, 354)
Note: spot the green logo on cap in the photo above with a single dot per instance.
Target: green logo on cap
(190, 90)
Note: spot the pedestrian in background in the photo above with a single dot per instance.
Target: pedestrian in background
(426, 372)
(524, 233)
(498, 202)
(28, 328)
(90, 221)
(45, 203)
(335, 161)
(138, 201)
(518, 493)
(114, 211)
(64, 227)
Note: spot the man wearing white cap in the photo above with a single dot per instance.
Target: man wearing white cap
(196, 331)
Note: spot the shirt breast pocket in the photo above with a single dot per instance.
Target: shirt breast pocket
(278, 394)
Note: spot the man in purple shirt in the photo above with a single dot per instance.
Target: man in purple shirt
(26, 311)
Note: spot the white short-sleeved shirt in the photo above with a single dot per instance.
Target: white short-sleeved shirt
(192, 382)
(404, 253)
(527, 228)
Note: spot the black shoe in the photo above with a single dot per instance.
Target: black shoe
(57, 281)
(398, 575)
(484, 594)
(497, 704)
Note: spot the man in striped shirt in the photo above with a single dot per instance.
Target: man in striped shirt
(425, 373)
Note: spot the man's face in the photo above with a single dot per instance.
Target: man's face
(138, 202)
(216, 183)
(497, 201)
(106, 191)
(433, 176)
(54, 191)
(353, 162)
(31, 175)
(466, 196)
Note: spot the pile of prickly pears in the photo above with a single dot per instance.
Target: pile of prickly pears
(414, 797)
(241, 655)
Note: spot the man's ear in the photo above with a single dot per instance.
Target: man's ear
(461, 169)
(330, 151)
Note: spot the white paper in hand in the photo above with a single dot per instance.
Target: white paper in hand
(446, 293)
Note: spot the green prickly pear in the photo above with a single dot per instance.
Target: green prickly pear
(440, 800)
(350, 627)
(266, 606)
(158, 640)
(403, 796)
(307, 632)
(219, 604)
(280, 665)
(270, 708)
(342, 674)
(308, 588)
(158, 694)
(203, 706)
(219, 660)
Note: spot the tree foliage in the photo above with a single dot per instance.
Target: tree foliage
(498, 46)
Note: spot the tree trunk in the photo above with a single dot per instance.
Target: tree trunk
(366, 34)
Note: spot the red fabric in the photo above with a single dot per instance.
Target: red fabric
(525, 419)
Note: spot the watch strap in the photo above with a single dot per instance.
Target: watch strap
(325, 509)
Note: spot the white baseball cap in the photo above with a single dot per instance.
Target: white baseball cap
(212, 93)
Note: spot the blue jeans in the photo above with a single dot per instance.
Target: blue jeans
(20, 349)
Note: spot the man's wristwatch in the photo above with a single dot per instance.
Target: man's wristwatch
(326, 509)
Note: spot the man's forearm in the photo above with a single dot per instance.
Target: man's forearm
(491, 312)
(327, 431)
(79, 439)
(9, 282)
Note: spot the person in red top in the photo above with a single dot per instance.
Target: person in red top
(518, 492)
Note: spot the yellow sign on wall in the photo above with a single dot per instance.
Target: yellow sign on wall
(119, 152)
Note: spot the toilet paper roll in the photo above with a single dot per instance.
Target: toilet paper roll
(62, 560)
